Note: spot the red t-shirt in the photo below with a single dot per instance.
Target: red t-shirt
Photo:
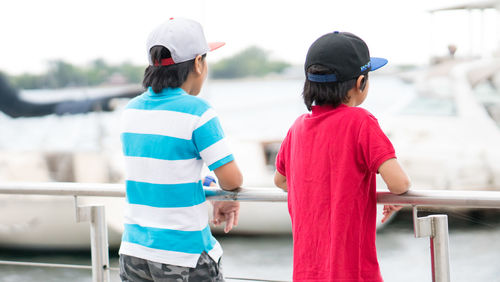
(330, 158)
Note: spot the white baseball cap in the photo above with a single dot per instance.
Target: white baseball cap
(184, 38)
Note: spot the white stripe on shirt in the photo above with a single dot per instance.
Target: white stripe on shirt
(215, 152)
(194, 218)
(161, 256)
(159, 122)
(216, 252)
(208, 115)
(158, 171)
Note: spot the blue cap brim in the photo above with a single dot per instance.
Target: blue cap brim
(377, 63)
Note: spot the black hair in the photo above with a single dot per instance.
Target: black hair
(172, 76)
(328, 93)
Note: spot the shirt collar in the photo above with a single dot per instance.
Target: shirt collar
(317, 110)
(166, 92)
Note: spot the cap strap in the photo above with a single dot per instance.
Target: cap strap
(321, 77)
(164, 62)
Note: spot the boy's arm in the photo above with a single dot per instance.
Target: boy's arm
(397, 181)
(394, 176)
(229, 176)
(280, 181)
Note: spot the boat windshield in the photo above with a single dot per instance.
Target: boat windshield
(433, 98)
(430, 106)
(487, 93)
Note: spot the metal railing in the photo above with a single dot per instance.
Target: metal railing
(434, 226)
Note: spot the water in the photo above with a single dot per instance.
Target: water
(474, 253)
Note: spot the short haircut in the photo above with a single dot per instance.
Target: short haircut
(327, 93)
(160, 77)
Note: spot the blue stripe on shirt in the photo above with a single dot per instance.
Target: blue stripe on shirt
(221, 162)
(165, 195)
(192, 242)
(208, 134)
(158, 147)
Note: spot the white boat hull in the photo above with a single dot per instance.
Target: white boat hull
(45, 222)
(48, 222)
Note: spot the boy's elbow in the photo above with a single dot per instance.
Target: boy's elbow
(229, 176)
(233, 183)
(281, 185)
(238, 181)
(401, 187)
(277, 181)
(280, 181)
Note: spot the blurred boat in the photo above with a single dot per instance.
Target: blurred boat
(448, 135)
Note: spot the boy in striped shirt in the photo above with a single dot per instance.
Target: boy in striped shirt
(168, 135)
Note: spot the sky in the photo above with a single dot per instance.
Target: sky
(35, 32)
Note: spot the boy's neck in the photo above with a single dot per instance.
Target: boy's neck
(350, 103)
(191, 86)
(355, 98)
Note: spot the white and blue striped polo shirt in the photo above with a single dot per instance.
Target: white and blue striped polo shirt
(167, 137)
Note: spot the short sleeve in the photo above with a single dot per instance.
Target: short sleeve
(209, 140)
(281, 156)
(375, 147)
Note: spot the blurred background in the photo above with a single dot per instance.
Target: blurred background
(68, 68)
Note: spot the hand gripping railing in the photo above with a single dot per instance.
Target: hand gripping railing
(434, 226)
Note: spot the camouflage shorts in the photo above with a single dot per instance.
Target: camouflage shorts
(137, 270)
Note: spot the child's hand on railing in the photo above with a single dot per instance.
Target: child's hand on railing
(228, 212)
(389, 210)
(224, 211)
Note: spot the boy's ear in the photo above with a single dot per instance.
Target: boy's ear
(198, 64)
(361, 83)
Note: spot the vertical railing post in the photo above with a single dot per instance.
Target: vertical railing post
(436, 228)
(440, 248)
(98, 239)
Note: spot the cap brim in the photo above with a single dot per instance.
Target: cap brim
(215, 45)
(377, 63)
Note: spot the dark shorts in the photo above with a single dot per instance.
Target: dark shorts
(137, 270)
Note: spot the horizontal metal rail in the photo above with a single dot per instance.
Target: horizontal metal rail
(441, 198)
(51, 265)
(63, 189)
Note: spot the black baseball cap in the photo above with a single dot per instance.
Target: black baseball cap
(345, 54)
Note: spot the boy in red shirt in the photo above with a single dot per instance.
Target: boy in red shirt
(328, 162)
